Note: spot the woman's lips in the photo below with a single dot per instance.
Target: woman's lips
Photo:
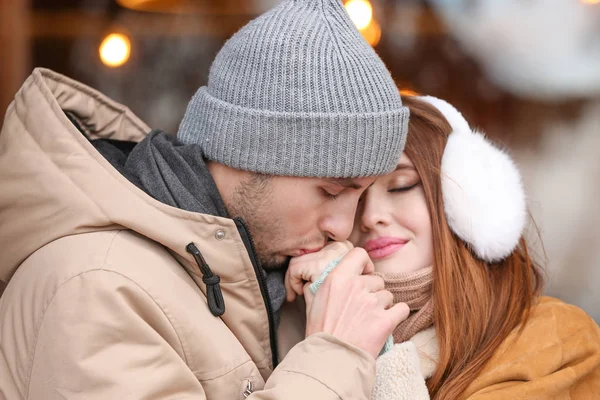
(384, 246)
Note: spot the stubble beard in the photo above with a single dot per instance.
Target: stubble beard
(252, 201)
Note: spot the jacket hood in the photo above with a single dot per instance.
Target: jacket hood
(54, 182)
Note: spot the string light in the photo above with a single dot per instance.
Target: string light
(114, 50)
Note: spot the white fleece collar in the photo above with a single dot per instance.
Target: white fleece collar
(402, 371)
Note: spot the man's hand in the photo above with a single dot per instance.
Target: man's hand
(308, 268)
(353, 306)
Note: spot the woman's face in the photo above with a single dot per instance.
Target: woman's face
(393, 224)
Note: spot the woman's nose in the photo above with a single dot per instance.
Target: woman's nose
(372, 213)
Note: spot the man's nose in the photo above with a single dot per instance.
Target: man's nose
(339, 225)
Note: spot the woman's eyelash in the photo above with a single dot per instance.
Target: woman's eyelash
(403, 189)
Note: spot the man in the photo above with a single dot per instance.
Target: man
(140, 266)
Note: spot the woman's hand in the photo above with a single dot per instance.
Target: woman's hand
(309, 267)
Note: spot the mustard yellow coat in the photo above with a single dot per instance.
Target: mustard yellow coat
(557, 356)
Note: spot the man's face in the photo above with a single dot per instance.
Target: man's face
(291, 216)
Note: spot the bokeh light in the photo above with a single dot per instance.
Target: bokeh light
(361, 13)
(408, 92)
(372, 33)
(114, 50)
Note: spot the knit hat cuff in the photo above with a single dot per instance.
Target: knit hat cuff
(332, 145)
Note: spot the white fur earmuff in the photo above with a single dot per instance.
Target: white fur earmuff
(483, 194)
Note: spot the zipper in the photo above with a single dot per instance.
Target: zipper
(262, 283)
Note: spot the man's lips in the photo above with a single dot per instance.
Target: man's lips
(384, 246)
(302, 252)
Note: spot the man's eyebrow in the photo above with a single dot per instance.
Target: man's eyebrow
(345, 182)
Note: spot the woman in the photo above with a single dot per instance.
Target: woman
(444, 230)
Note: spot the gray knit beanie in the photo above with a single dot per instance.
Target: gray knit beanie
(299, 92)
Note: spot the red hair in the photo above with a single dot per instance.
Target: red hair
(476, 304)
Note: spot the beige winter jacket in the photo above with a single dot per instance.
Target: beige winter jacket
(104, 301)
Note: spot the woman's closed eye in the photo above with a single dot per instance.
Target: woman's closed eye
(403, 188)
(404, 182)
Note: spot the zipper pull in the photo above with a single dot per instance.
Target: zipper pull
(214, 295)
(248, 390)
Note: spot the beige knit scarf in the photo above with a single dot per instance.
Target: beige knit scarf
(413, 289)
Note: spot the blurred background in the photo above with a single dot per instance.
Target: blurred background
(526, 72)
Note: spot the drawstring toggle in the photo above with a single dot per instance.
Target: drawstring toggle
(214, 296)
